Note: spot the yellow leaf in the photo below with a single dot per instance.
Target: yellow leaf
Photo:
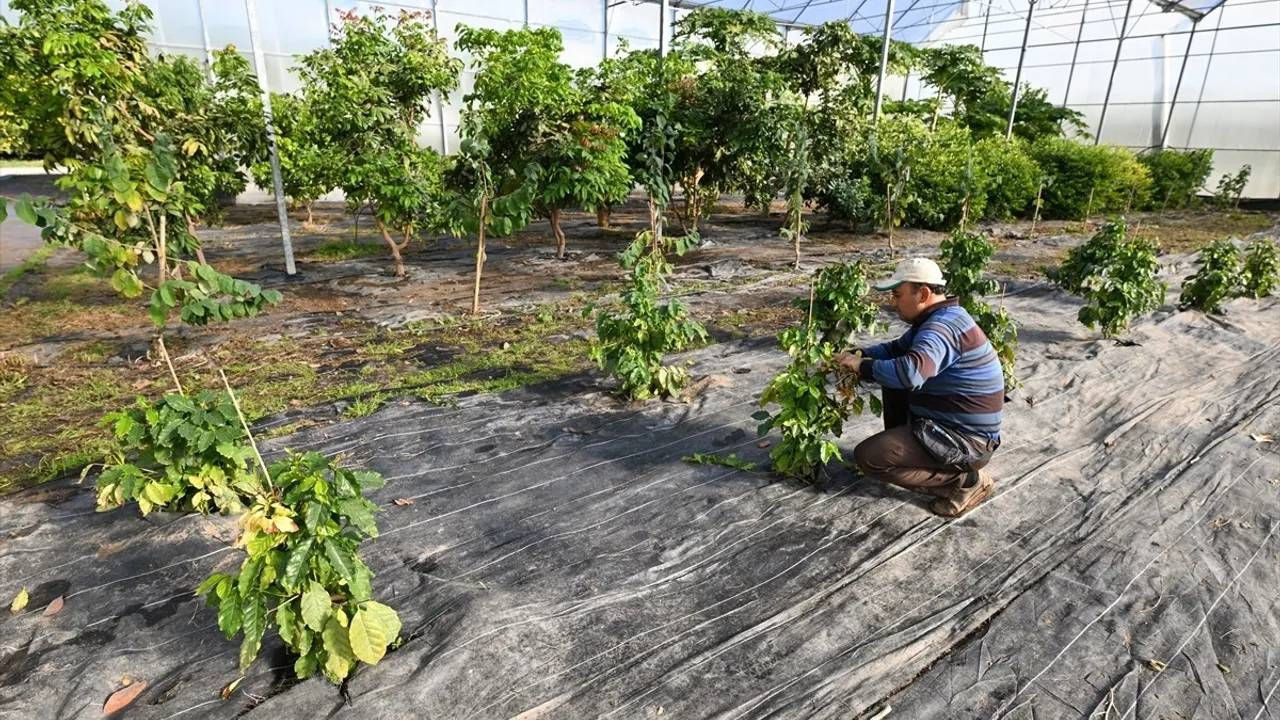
(284, 523)
(19, 601)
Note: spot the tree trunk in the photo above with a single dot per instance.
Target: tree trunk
(796, 238)
(557, 231)
(395, 249)
(655, 226)
(1035, 218)
(602, 217)
(693, 201)
(475, 295)
(310, 213)
(191, 230)
(937, 110)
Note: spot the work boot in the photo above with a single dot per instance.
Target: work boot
(976, 487)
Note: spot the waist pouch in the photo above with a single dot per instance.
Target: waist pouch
(950, 447)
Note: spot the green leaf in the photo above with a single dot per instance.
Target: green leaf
(25, 211)
(298, 564)
(369, 638)
(340, 558)
(229, 614)
(316, 606)
(287, 623)
(254, 623)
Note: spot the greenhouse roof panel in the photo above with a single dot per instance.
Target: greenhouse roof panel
(915, 20)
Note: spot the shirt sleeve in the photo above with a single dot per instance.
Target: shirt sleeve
(932, 350)
(886, 350)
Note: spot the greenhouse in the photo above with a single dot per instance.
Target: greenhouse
(640, 358)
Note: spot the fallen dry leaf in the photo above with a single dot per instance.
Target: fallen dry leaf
(762, 444)
(1156, 665)
(121, 698)
(1224, 669)
(19, 601)
(403, 501)
(54, 607)
(1262, 437)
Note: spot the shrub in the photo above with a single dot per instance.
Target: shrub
(1090, 179)
(1176, 175)
(1260, 268)
(1217, 279)
(302, 573)
(1008, 177)
(188, 453)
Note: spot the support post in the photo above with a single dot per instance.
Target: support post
(1173, 104)
(1111, 80)
(884, 60)
(1017, 78)
(986, 22)
(664, 28)
(1075, 52)
(260, 68)
(204, 37)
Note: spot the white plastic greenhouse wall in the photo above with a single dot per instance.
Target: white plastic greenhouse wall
(1229, 98)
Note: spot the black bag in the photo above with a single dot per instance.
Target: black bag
(950, 447)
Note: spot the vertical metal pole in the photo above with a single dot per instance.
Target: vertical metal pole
(1173, 104)
(1213, 46)
(328, 19)
(526, 13)
(260, 68)
(1075, 52)
(604, 50)
(986, 21)
(1124, 28)
(1017, 78)
(884, 60)
(664, 28)
(204, 37)
(444, 132)
(906, 80)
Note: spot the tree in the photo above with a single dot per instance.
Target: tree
(368, 93)
(726, 114)
(308, 168)
(960, 73)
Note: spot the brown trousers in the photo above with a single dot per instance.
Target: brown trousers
(895, 456)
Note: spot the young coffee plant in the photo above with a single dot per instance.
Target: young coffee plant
(964, 257)
(303, 575)
(1084, 260)
(839, 309)
(1261, 266)
(632, 342)
(1122, 288)
(1231, 187)
(1217, 279)
(813, 405)
(186, 453)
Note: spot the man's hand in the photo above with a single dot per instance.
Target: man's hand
(850, 362)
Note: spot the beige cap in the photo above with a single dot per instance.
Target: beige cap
(916, 270)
